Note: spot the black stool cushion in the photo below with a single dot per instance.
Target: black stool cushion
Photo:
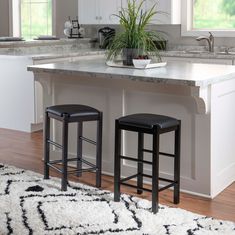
(147, 120)
(72, 110)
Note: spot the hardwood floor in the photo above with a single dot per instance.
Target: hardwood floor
(25, 150)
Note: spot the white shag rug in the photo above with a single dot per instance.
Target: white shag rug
(31, 205)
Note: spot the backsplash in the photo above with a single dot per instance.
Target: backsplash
(173, 35)
(39, 47)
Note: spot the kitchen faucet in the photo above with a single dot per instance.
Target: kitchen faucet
(209, 39)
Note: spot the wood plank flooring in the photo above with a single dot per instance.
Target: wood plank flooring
(24, 150)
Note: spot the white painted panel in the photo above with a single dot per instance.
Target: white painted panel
(16, 93)
(223, 135)
(98, 11)
(88, 11)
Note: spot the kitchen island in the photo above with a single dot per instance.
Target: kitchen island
(201, 95)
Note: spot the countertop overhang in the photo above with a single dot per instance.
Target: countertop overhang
(174, 73)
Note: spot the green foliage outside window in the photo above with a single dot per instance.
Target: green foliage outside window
(36, 18)
(214, 14)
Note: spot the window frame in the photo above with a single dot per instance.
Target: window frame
(186, 23)
(15, 18)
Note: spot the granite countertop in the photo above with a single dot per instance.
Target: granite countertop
(198, 54)
(30, 43)
(81, 52)
(177, 73)
(51, 49)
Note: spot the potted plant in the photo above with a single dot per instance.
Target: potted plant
(134, 39)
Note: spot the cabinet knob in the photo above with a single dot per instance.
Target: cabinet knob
(96, 17)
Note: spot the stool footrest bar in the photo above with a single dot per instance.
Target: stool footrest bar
(166, 180)
(87, 163)
(146, 189)
(54, 167)
(160, 153)
(139, 188)
(147, 176)
(83, 170)
(128, 178)
(135, 159)
(60, 161)
(166, 187)
(167, 154)
(55, 144)
(87, 140)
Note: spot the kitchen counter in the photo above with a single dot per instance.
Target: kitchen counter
(66, 54)
(30, 43)
(175, 73)
(200, 95)
(197, 54)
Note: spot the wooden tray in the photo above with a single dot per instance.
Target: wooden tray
(119, 64)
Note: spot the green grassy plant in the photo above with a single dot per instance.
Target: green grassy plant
(134, 34)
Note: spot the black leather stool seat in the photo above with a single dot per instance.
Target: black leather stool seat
(66, 114)
(154, 125)
(73, 110)
(147, 120)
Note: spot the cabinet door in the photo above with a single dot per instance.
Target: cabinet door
(107, 9)
(88, 11)
(169, 11)
(145, 4)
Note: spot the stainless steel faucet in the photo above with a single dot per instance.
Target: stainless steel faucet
(209, 39)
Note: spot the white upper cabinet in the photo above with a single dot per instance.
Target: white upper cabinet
(171, 11)
(101, 11)
(98, 11)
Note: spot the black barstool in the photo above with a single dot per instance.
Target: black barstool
(67, 114)
(150, 124)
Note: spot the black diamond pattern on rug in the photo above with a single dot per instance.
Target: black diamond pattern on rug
(31, 205)
(35, 188)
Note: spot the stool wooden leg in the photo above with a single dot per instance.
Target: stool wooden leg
(99, 151)
(177, 165)
(155, 172)
(117, 163)
(140, 164)
(46, 145)
(79, 148)
(64, 155)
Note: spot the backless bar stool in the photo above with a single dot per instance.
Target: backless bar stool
(67, 114)
(155, 125)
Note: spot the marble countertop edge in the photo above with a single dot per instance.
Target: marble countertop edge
(175, 73)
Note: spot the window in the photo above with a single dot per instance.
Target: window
(32, 18)
(217, 16)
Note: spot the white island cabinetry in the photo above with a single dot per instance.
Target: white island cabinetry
(201, 95)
